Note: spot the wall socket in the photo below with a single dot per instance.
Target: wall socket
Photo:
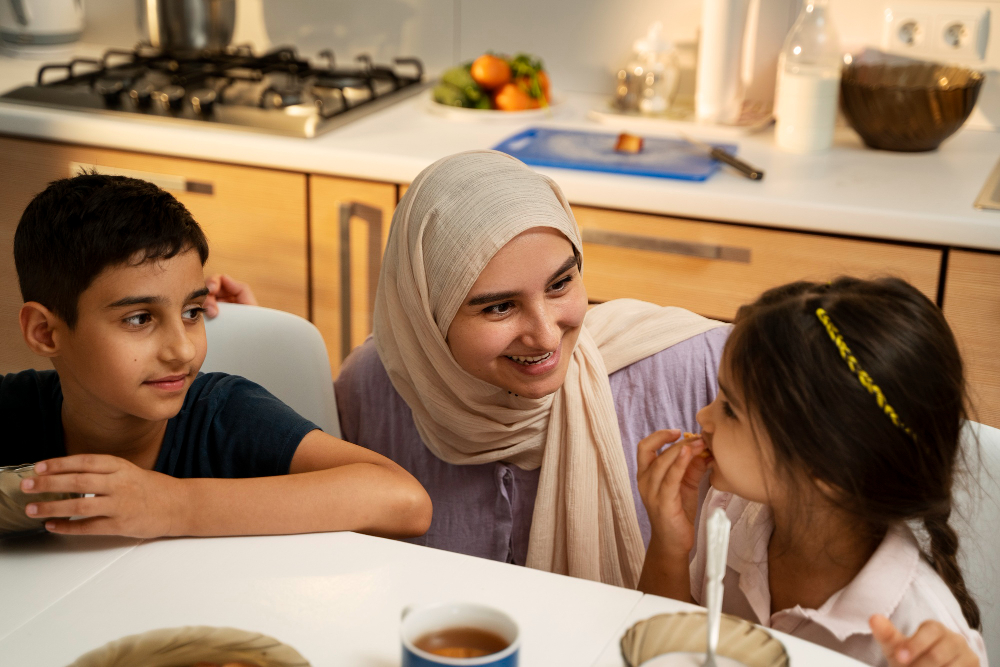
(943, 30)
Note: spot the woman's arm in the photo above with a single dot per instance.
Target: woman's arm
(223, 288)
(332, 485)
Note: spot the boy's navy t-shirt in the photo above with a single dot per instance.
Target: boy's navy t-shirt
(227, 427)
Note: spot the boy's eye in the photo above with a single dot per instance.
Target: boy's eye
(138, 319)
(499, 308)
(728, 410)
(193, 313)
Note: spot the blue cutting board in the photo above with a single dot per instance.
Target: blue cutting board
(594, 151)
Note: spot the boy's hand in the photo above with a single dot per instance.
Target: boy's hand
(931, 645)
(668, 484)
(128, 500)
(223, 288)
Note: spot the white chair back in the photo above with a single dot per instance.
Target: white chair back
(977, 521)
(282, 352)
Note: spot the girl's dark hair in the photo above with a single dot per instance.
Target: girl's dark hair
(822, 421)
(79, 226)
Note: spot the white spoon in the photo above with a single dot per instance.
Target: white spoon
(718, 550)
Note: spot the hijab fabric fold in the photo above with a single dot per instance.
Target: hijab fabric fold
(453, 219)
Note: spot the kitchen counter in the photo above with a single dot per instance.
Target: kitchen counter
(851, 190)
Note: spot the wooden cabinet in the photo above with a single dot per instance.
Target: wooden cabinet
(344, 279)
(714, 268)
(972, 306)
(255, 221)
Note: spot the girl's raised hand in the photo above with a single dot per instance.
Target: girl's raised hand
(932, 645)
(668, 484)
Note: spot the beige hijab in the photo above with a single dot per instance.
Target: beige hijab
(456, 215)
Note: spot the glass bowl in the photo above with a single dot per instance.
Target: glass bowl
(686, 632)
(907, 107)
(13, 520)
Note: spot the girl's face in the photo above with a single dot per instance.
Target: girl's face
(518, 325)
(743, 457)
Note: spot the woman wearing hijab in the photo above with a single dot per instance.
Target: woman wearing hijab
(489, 380)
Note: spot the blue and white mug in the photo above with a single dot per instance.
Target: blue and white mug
(423, 620)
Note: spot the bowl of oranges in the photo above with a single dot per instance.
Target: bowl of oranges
(494, 86)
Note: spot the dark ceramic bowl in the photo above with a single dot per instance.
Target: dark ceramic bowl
(910, 107)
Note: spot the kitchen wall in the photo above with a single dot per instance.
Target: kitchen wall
(582, 42)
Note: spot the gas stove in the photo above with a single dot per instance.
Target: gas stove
(276, 93)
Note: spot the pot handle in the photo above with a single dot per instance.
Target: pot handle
(20, 11)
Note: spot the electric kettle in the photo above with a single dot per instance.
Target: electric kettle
(27, 24)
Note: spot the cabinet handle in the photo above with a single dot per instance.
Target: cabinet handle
(373, 216)
(165, 181)
(669, 246)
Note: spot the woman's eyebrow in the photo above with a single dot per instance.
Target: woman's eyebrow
(491, 297)
(566, 266)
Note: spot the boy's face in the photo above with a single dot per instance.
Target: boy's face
(139, 339)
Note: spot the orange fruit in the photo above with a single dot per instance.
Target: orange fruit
(490, 72)
(512, 97)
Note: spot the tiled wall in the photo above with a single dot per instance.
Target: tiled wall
(582, 42)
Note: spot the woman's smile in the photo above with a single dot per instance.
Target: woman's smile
(538, 364)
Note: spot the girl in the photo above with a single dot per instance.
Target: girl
(835, 429)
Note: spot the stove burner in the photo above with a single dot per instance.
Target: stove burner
(275, 92)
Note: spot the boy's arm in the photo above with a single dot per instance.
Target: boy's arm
(332, 485)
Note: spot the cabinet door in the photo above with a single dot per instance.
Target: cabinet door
(713, 268)
(972, 306)
(255, 221)
(361, 211)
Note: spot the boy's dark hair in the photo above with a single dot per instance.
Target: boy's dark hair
(79, 226)
(823, 422)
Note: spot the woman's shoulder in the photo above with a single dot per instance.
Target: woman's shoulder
(698, 353)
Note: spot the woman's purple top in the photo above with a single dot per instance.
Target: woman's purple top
(485, 510)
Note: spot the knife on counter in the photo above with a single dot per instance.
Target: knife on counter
(723, 156)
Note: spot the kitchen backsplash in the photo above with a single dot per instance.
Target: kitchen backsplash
(582, 42)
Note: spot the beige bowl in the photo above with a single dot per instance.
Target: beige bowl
(685, 632)
(180, 647)
(13, 520)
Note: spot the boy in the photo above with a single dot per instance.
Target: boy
(110, 269)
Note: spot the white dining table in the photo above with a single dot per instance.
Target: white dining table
(336, 597)
(37, 571)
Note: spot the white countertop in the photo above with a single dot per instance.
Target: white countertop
(918, 197)
(335, 597)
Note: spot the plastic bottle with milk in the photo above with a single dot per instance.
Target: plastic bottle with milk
(808, 83)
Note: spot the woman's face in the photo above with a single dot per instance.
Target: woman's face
(518, 325)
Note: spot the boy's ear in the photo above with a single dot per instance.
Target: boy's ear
(37, 326)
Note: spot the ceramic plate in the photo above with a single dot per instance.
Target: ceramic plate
(464, 115)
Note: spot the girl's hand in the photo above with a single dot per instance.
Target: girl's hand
(223, 288)
(931, 645)
(668, 484)
(128, 500)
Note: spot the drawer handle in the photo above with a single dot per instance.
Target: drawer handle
(165, 181)
(669, 246)
(373, 216)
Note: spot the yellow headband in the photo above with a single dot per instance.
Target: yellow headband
(863, 377)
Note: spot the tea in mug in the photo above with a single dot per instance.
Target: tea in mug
(461, 643)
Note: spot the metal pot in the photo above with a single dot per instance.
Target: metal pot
(187, 25)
